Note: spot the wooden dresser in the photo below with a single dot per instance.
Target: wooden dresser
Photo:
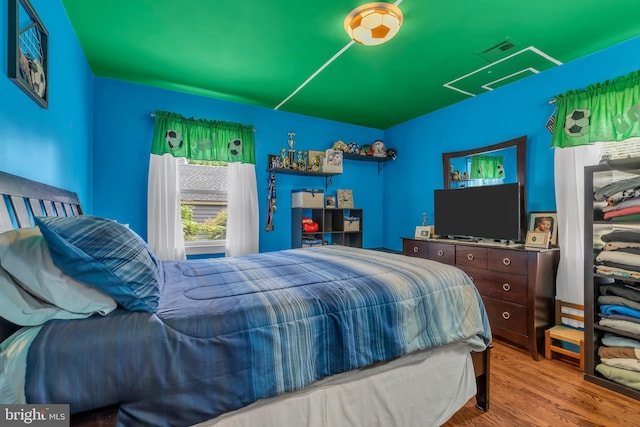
(517, 285)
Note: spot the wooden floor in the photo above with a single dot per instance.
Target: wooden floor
(545, 393)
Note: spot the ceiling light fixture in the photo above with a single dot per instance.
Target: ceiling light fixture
(373, 23)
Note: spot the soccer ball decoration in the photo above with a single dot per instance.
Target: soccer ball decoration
(354, 148)
(235, 147)
(38, 81)
(577, 123)
(373, 23)
(174, 139)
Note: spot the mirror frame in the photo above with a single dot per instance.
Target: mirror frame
(521, 158)
(521, 168)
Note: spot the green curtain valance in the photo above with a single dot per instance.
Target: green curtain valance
(200, 139)
(608, 111)
(487, 167)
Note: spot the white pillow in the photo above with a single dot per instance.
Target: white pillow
(35, 290)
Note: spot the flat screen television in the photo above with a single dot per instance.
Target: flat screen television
(485, 212)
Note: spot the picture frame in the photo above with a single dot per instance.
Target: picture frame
(543, 222)
(345, 199)
(332, 162)
(422, 232)
(315, 160)
(330, 202)
(537, 239)
(28, 51)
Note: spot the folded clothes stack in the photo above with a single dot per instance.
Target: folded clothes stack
(622, 200)
(620, 356)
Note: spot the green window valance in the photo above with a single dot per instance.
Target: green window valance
(608, 111)
(200, 139)
(487, 167)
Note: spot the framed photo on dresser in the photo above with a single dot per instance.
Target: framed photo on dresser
(544, 222)
(422, 232)
(537, 239)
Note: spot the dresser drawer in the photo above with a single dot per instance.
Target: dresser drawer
(415, 248)
(502, 286)
(442, 252)
(514, 262)
(506, 315)
(471, 256)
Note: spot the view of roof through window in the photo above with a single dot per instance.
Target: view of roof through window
(203, 204)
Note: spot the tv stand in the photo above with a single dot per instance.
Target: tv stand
(517, 284)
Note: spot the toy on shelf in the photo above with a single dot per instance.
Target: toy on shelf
(309, 225)
(378, 148)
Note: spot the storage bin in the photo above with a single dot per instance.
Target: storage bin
(351, 223)
(307, 198)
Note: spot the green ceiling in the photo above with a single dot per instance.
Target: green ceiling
(258, 52)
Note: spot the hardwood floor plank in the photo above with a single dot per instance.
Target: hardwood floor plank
(545, 393)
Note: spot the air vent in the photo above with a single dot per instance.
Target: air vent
(499, 50)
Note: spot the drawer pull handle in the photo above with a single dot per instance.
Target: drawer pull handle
(440, 252)
(470, 257)
(506, 287)
(415, 249)
(506, 261)
(506, 315)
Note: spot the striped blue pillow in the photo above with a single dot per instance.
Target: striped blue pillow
(102, 253)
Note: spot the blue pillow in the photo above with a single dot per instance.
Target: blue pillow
(102, 253)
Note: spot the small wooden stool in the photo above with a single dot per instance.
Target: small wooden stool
(554, 336)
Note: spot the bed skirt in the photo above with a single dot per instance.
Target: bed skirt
(422, 389)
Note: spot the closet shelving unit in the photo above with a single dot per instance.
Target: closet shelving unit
(595, 226)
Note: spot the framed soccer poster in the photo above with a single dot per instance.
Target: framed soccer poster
(27, 49)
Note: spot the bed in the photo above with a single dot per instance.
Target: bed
(315, 336)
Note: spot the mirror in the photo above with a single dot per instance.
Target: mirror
(511, 155)
(502, 163)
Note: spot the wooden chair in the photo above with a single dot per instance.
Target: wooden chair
(555, 336)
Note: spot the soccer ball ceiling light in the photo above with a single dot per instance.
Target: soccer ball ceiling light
(373, 23)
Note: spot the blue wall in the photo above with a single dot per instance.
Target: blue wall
(122, 140)
(52, 145)
(95, 137)
(520, 108)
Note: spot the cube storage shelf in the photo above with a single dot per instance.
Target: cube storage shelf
(331, 226)
(595, 226)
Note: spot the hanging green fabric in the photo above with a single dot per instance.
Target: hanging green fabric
(487, 167)
(608, 111)
(200, 139)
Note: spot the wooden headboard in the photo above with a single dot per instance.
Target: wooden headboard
(22, 199)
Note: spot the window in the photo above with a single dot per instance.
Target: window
(621, 149)
(203, 205)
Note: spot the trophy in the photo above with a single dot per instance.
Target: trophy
(292, 152)
(284, 158)
(302, 162)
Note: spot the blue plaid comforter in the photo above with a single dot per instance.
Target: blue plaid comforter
(231, 331)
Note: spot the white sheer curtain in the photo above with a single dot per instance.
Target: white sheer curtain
(242, 210)
(164, 221)
(569, 166)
